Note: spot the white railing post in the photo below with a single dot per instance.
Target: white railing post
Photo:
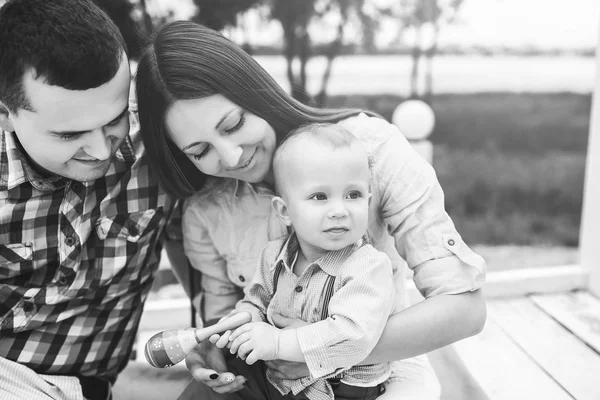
(590, 222)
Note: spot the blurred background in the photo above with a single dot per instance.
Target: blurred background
(510, 83)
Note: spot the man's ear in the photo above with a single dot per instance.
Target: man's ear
(5, 123)
(281, 208)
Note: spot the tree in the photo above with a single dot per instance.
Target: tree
(120, 11)
(295, 18)
(419, 15)
(217, 14)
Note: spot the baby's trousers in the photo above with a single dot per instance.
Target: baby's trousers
(259, 388)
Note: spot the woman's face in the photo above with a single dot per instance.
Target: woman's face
(221, 138)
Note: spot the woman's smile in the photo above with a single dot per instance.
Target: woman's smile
(246, 164)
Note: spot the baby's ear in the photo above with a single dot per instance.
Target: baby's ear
(281, 208)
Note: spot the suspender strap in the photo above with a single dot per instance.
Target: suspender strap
(327, 296)
(278, 268)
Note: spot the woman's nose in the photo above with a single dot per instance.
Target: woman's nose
(230, 155)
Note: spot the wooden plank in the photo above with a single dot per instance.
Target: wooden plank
(166, 314)
(503, 370)
(455, 379)
(574, 366)
(520, 282)
(590, 224)
(579, 312)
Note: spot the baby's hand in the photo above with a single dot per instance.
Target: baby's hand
(255, 341)
(221, 340)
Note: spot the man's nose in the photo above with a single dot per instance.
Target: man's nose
(98, 144)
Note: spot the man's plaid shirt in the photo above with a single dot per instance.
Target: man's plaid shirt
(76, 262)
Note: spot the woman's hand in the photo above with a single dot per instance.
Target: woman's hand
(207, 364)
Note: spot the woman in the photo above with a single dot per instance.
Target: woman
(211, 118)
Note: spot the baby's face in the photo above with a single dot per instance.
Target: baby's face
(327, 194)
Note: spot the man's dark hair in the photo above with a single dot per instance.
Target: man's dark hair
(69, 43)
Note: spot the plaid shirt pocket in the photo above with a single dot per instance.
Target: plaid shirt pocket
(15, 253)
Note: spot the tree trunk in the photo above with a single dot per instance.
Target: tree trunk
(429, 55)
(416, 56)
(333, 51)
(148, 26)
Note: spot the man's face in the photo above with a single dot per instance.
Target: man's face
(74, 133)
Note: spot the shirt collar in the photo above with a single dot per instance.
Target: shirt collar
(16, 169)
(259, 189)
(330, 263)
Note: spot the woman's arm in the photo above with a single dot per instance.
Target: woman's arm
(426, 326)
(446, 271)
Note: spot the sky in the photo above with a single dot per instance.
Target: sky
(512, 23)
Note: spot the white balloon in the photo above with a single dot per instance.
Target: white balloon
(415, 119)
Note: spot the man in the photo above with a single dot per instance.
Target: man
(81, 217)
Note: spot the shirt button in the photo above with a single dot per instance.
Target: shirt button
(69, 240)
(62, 280)
(451, 242)
(28, 307)
(241, 278)
(298, 289)
(76, 186)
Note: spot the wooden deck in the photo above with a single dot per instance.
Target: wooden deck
(544, 346)
(532, 347)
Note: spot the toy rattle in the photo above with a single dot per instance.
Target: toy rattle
(167, 348)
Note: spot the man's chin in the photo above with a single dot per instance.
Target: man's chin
(88, 174)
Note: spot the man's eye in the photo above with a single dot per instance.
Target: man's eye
(71, 136)
(117, 121)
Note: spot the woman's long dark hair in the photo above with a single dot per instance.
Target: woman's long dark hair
(189, 61)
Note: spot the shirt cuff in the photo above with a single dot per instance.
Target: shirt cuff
(315, 350)
(462, 271)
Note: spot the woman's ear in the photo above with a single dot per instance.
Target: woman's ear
(281, 208)
(5, 123)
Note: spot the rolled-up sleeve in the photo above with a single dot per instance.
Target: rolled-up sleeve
(218, 294)
(412, 206)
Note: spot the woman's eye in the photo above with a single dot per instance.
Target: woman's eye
(201, 154)
(239, 124)
(354, 195)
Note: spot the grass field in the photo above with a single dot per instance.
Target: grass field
(511, 164)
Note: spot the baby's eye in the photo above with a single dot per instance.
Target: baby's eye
(354, 195)
(319, 196)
